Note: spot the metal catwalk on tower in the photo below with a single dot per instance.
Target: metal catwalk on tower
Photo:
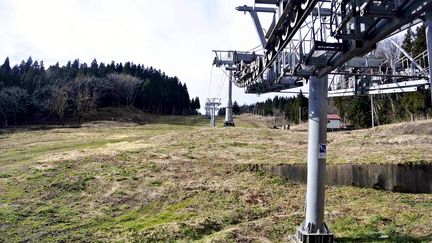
(333, 38)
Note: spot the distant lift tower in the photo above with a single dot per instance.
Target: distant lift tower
(211, 106)
(227, 59)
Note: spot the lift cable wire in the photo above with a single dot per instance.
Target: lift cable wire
(211, 76)
(256, 48)
(221, 85)
(226, 76)
(224, 72)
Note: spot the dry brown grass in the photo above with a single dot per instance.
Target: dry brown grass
(161, 182)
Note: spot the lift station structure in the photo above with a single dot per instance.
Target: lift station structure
(325, 45)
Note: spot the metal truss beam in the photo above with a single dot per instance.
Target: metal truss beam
(384, 27)
(352, 92)
(312, 21)
(253, 11)
(407, 55)
(399, 87)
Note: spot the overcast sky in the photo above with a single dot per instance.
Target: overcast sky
(176, 36)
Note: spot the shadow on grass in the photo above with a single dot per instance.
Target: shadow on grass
(193, 120)
(33, 128)
(398, 237)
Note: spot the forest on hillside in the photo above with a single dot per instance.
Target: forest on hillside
(30, 93)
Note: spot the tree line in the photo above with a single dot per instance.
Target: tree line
(29, 92)
(235, 109)
(293, 109)
(355, 111)
(390, 108)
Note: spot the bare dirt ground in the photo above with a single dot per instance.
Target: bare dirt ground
(177, 179)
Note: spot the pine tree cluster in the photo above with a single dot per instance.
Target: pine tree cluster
(28, 90)
(294, 109)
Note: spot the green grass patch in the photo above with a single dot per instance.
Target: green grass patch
(191, 183)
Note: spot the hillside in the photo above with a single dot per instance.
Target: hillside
(33, 95)
(173, 178)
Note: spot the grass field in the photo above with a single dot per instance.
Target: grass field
(176, 179)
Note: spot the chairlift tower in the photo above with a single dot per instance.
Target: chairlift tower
(211, 107)
(227, 59)
(314, 41)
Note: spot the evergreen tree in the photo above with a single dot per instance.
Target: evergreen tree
(28, 64)
(407, 43)
(236, 108)
(419, 44)
(358, 111)
(302, 106)
(4, 73)
(414, 103)
(5, 68)
(192, 103)
(127, 68)
(94, 67)
(222, 111)
(197, 103)
(42, 66)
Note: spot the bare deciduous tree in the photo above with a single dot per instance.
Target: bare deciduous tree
(126, 87)
(387, 50)
(81, 97)
(58, 101)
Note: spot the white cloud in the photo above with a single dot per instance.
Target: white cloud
(176, 36)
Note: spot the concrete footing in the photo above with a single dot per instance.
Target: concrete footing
(229, 124)
(411, 178)
(303, 236)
